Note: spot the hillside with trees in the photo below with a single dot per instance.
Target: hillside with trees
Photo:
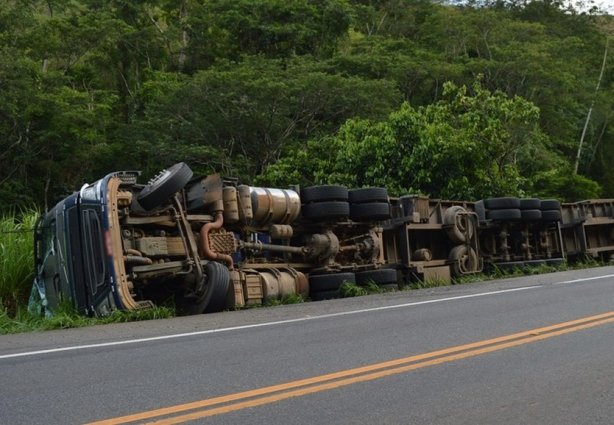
(454, 100)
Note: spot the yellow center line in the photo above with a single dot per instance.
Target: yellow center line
(356, 375)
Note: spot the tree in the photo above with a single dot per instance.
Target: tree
(246, 115)
(473, 144)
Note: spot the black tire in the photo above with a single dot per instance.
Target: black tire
(325, 295)
(530, 204)
(531, 215)
(326, 210)
(164, 185)
(550, 204)
(389, 287)
(368, 194)
(480, 210)
(504, 215)
(373, 211)
(506, 203)
(379, 277)
(324, 193)
(465, 260)
(214, 297)
(329, 282)
(551, 215)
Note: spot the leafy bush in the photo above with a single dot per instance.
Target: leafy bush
(16, 259)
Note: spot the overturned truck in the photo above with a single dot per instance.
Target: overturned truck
(208, 244)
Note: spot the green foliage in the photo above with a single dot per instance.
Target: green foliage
(348, 290)
(16, 259)
(470, 145)
(66, 317)
(231, 86)
(428, 283)
(276, 103)
(566, 186)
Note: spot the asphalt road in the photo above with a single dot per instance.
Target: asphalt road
(439, 356)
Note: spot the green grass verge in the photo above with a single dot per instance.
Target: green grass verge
(66, 317)
(349, 289)
(16, 259)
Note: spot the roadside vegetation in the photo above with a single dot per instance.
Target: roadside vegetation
(66, 317)
(16, 259)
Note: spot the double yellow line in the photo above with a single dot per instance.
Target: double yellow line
(266, 395)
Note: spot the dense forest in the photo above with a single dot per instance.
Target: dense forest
(454, 100)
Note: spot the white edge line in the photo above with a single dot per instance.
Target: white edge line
(258, 325)
(584, 279)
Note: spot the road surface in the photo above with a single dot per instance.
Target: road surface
(529, 350)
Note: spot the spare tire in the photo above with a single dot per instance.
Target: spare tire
(464, 260)
(163, 186)
(462, 227)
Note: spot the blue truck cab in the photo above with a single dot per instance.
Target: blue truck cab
(73, 256)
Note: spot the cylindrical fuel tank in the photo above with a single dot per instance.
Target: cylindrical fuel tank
(274, 206)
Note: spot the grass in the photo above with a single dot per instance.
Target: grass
(428, 283)
(16, 259)
(350, 289)
(66, 317)
(287, 299)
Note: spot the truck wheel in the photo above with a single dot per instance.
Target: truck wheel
(164, 185)
(462, 228)
(504, 215)
(480, 210)
(551, 215)
(326, 210)
(325, 295)
(324, 193)
(550, 204)
(530, 204)
(372, 211)
(368, 194)
(502, 203)
(531, 215)
(214, 297)
(329, 282)
(380, 277)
